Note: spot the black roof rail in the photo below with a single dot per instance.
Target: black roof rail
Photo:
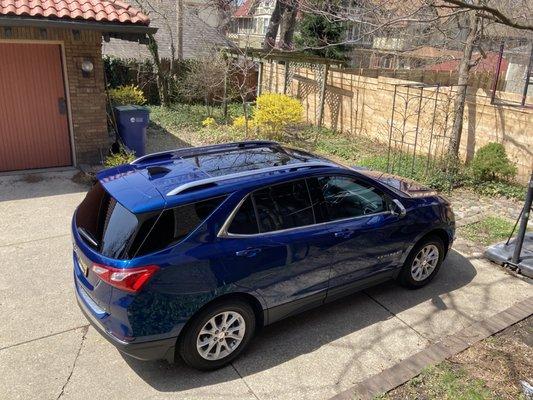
(192, 151)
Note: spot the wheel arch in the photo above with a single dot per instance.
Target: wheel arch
(248, 298)
(440, 232)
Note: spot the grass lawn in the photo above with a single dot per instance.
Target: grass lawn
(487, 231)
(491, 369)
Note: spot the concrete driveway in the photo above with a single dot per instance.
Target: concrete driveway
(47, 350)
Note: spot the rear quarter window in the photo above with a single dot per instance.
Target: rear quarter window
(174, 224)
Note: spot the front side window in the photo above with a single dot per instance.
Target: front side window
(339, 197)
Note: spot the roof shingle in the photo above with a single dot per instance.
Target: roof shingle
(114, 11)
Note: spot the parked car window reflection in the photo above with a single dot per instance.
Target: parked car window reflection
(283, 206)
(338, 197)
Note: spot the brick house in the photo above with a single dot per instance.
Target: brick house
(186, 29)
(52, 92)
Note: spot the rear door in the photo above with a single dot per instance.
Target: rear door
(274, 246)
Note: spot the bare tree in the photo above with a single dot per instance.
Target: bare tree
(273, 26)
(423, 22)
(288, 25)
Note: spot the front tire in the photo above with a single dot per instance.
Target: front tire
(217, 335)
(423, 263)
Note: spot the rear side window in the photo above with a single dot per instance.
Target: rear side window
(176, 223)
(109, 227)
(283, 206)
(244, 222)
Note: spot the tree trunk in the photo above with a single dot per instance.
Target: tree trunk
(161, 76)
(273, 26)
(288, 24)
(462, 82)
(179, 28)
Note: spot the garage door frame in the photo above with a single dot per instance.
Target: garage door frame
(65, 85)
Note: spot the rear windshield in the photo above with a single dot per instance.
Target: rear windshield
(112, 230)
(109, 227)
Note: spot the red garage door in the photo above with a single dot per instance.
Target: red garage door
(33, 117)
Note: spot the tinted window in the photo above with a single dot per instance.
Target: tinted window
(114, 229)
(283, 206)
(244, 222)
(176, 223)
(337, 197)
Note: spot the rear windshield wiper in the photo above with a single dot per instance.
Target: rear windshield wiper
(88, 237)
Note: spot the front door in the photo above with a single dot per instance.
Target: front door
(33, 124)
(368, 237)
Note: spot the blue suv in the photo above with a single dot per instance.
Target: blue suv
(188, 252)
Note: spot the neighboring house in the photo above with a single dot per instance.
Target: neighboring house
(250, 23)
(193, 24)
(485, 63)
(52, 94)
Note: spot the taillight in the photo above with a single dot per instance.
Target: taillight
(128, 279)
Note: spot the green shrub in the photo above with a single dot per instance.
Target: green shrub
(122, 157)
(125, 95)
(491, 164)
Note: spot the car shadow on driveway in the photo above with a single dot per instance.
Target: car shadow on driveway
(305, 333)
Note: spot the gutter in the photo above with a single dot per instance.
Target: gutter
(132, 32)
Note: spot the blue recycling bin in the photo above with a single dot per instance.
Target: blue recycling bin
(132, 122)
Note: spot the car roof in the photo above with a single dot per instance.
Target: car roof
(178, 176)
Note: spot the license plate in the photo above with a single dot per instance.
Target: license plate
(84, 267)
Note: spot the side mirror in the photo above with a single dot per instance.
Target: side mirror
(398, 209)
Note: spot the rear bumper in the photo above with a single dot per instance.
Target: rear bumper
(163, 349)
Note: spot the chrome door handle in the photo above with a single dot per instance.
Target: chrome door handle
(248, 252)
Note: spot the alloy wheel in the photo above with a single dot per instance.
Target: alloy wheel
(221, 335)
(425, 262)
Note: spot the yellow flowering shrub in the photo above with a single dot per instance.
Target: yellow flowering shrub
(208, 122)
(127, 95)
(276, 111)
(240, 123)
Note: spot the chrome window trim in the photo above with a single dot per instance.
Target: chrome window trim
(224, 234)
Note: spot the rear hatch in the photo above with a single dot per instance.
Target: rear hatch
(107, 233)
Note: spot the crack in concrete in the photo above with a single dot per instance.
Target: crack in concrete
(85, 330)
(44, 337)
(34, 240)
(244, 380)
(396, 316)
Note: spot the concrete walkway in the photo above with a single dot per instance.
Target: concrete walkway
(47, 350)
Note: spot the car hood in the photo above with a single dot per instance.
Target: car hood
(405, 185)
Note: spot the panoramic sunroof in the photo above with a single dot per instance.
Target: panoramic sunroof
(234, 161)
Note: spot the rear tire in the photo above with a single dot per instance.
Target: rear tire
(423, 263)
(217, 335)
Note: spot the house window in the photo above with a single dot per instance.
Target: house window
(265, 26)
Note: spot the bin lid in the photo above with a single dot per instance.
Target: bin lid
(130, 108)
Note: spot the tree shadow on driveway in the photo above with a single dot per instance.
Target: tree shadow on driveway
(303, 334)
